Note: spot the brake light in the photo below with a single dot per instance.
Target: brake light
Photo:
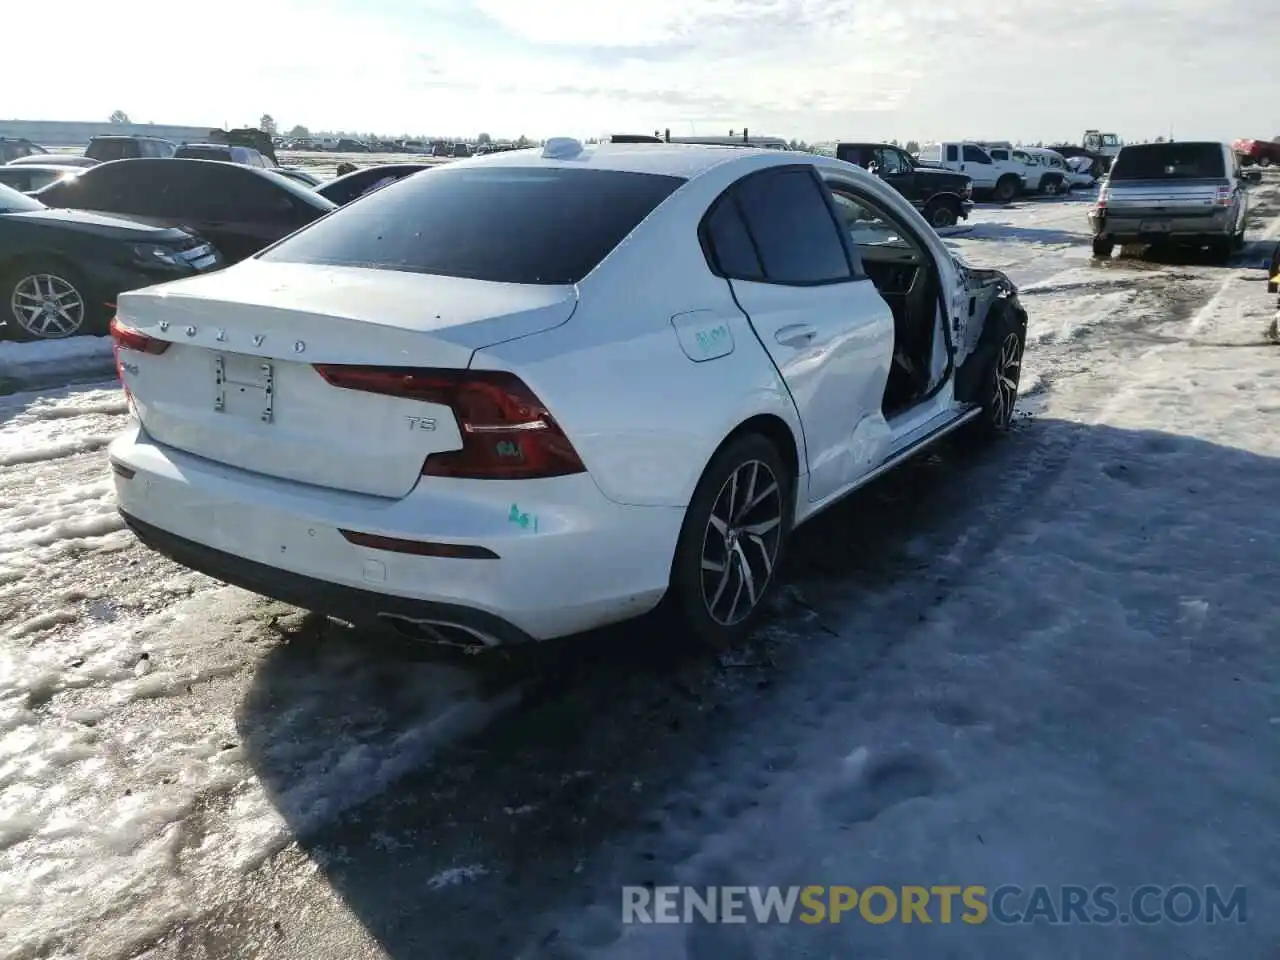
(130, 339)
(1223, 198)
(1102, 197)
(126, 338)
(507, 432)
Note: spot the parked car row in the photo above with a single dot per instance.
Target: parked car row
(93, 221)
(942, 181)
(1002, 171)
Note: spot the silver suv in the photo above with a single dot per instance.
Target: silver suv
(1193, 193)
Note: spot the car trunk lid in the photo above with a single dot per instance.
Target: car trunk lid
(236, 383)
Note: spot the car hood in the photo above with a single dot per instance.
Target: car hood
(109, 226)
(940, 172)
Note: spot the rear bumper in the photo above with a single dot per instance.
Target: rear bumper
(1136, 226)
(346, 603)
(581, 561)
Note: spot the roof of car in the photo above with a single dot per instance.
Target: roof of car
(685, 160)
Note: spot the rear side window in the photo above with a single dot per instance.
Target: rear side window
(728, 244)
(851, 153)
(1170, 161)
(505, 224)
(788, 216)
(974, 155)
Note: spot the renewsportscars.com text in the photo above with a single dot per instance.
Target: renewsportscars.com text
(1008, 904)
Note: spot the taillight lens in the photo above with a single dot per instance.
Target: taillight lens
(126, 338)
(1223, 199)
(507, 432)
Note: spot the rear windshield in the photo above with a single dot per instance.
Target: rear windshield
(204, 153)
(1170, 161)
(505, 224)
(112, 149)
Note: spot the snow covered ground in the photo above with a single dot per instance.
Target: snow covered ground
(1052, 664)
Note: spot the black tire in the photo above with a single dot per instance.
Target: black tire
(1006, 188)
(699, 595)
(942, 212)
(1052, 186)
(18, 276)
(998, 394)
(1237, 242)
(1264, 161)
(1103, 248)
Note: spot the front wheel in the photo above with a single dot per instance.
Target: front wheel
(999, 392)
(43, 300)
(942, 213)
(732, 541)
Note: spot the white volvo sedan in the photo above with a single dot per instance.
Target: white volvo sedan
(537, 392)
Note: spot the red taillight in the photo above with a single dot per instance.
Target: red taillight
(126, 338)
(1223, 199)
(130, 339)
(507, 432)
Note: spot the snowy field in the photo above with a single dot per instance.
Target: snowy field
(1050, 664)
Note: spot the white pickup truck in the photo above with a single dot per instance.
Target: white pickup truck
(1038, 175)
(973, 160)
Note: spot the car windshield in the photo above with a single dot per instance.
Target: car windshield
(11, 201)
(509, 224)
(1170, 161)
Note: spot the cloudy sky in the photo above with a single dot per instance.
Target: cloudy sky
(812, 69)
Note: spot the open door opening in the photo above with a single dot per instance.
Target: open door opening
(907, 279)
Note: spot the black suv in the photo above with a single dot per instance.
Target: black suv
(11, 148)
(941, 195)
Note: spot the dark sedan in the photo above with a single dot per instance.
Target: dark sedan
(355, 185)
(239, 209)
(61, 270)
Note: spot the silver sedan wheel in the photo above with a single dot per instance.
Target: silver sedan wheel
(1008, 370)
(47, 306)
(740, 546)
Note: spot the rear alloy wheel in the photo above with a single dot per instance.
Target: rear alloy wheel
(45, 303)
(942, 213)
(733, 538)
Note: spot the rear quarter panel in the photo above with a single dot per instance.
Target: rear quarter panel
(643, 415)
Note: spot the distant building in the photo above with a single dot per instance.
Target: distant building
(70, 133)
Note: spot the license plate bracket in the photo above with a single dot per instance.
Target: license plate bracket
(1155, 226)
(244, 386)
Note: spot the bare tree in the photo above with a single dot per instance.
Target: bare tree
(118, 116)
(268, 124)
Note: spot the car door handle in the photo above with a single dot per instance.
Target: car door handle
(796, 335)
